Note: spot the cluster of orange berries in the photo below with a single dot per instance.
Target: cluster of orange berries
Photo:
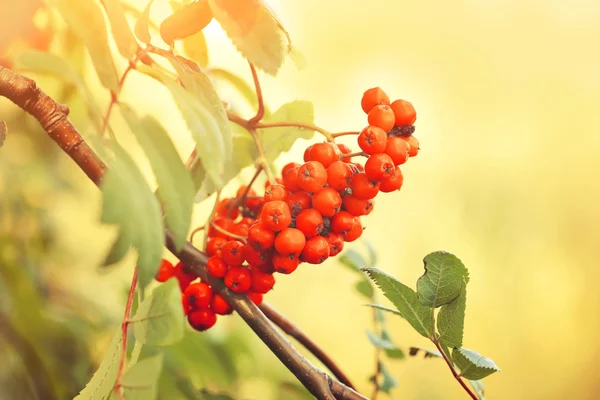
(305, 216)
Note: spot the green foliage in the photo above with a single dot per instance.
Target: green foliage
(254, 31)
(120, 28)
(450, 320)
(406, 301)
(86, 19)
(389, 382)
(427, 353)
(355, 261)
(141, 26)
(128, 202)
(159, 319)
(103, 381)
(443, 278)
(278, 140)
(473, 365)
(247, 91)
(479, 388)
(139, 382)
(175, 186)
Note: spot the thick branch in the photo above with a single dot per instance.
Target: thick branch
(289, 328)
(53, 118)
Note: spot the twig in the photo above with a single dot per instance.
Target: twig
(289, 328)
(295, 124)
(357, 154)
(336, 135)
(260, 113)
(453, 370)
(53, 118)
(262, 158)
(198, 229)
(124, 326)
(226, 232)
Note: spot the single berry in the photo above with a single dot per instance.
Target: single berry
(372, 140)
(215, 246)
(373, 97)
(238, 279)
(327, 201)
(202, 319)
(393, 183)
(356, 206)
(339, 175)
(289, 241)
(233, 254)
(335, 242)
(276, 192)
(290, 179)
(256, 298)
(289, 167)
(379, 167)
(364, 188)
(316, 250)
(184, 277)
(256, 256)
(404, 112)
(342, 222)
(309, 222)
(414, 145)
(247, 221)
(382, 116)
(325, 153)
(276, 215)
(219, 305)
(285, 264)
(260, 237)
(355, 232)
(199, 295)
(261, 282)
(298, 202)
(227, 208)
(240, 229)
(226, 225)
(306, 156)
(312, 176)
(398, 149)
(165, 271)
(216, 267)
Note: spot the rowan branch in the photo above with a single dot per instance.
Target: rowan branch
(53, 118)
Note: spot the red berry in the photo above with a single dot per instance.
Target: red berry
(267, 267)
(393, 183)
(199, 295)
(324, 153)
(298, 202)
(240, 229)
(285, 264)
(184, 304)
(372, 140)
(373, 97)
(382, 116)
(215, 246)
(289, 241)
(344, 150)
(226, 224)
(342, 222)
(356, 206)
(316, 250)
(355, 232)
(306, 156)
(216, 267)
(310, 222)
(219, 305)
(233, 254)
(238, 279)
(339, 175)
(404, 112)
(290, 179)
(289, 167)
(276, 192)
(247, 221)
(184, 277)
(254, 203)
(165, 271)
(226, 208)
(414, 145)
(256, 256)
(256, 298)
(327, 201)
(312, 176)
(260, 237)
(261, 282)
(335, 242)
(363, 188)
(276, 215)
(379, 167)
(202, 320)
(398, 149)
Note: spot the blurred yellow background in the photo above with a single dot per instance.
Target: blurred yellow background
(507, 95)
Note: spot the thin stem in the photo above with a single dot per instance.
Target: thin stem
(124, 326)
(198, 229)
(191, 159)
(226, 232)
(260, 113)
(210, 218)
(288, 327)
(262, 158)
(337, 135)
(453, 370)
(357, 154)
(240, 200)
(295, 124)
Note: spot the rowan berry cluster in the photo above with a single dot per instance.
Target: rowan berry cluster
(306, 215)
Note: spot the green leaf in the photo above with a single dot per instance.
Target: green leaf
(353, 260)
(86, 19)
(473, 365)
(389, 382)
(118, 250)
(443, 278)
(196, 49)
(427, 353)
(206, 395)
(254, 31)
(141, 380)
(278, 140)
(175, 185)
(451, 320)
(141, 26)
(121, 30)
(240, 84)
(384, 308)
(379, 342)
(365, 288)
(159, 320)
(128, 202)
(406, 301)
(479, 388)
(394, 352)
(103, 381)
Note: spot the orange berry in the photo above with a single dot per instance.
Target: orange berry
(382, 116)
(373, 97)
(404, 112)
(414, 145)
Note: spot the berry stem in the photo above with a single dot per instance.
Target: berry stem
(289, 328)
(240, 200)
(295, 124)
(336, 135)
(262, 159)
(198, 229)
(259, 96)
(124, 326)
(453, 370)
(357, 154)
(226, 232)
